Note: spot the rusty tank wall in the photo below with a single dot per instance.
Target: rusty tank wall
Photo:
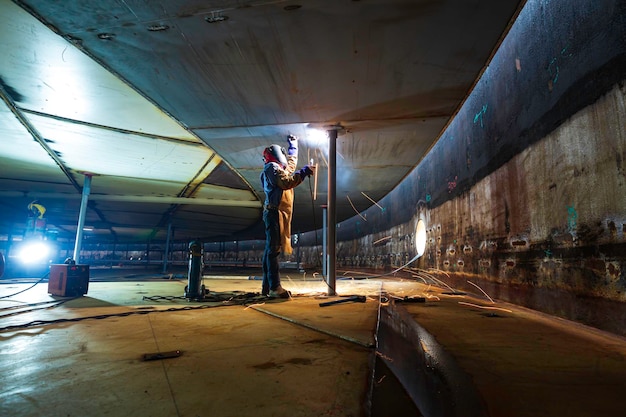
(525, 192)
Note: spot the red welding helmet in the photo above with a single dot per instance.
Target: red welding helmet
(275, 153)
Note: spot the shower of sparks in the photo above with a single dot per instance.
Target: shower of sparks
(321, 154)
(355, 210)
(486, 295)
(485, 307)
(436, 280)
(439, 270)
(417, 276)
(355, 273)
(377, 205)
(380, 240)
(387, 358)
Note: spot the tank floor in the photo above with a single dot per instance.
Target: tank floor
(135, 346)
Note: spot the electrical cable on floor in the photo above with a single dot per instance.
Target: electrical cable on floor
(102, 316)
(56, 304)
(26, 289)
(29, 304)
(233, 297)
(244, 299)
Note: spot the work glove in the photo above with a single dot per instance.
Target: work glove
(306, 171)
(293, 145)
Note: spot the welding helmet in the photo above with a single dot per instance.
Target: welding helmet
(275, 153)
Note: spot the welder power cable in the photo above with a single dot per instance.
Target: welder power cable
(103, 316)
(24, 304)
(26, 289)
(23, 308)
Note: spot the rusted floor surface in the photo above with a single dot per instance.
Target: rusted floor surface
(85, 357)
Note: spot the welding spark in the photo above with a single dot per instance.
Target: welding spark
(381, 379)
(417, 276)
(439, 270)
(438, 280)
(486, 295)
(321, 154)
(366, 196)
(387, 358)
(355, 210)
(354, 272)
(485, 307)
(316, 137)
(380, 240)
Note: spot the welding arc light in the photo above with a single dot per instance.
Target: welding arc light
(420, 237)
(316, 138)
(34, 252)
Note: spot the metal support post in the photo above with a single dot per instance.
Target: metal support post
(166, 254)
(81, 218)
(324, 252)
(332, 210)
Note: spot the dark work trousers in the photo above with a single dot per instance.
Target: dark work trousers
(271, 276)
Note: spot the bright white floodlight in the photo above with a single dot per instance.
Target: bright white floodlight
(34, 252)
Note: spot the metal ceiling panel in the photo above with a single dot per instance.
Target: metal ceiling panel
(84, 148)
(19, 151)
(47, 74)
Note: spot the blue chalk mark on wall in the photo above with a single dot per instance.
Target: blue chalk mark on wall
(572, 217)
(553, 66)
(479, 115)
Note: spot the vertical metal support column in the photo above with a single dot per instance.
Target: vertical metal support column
(166, 254)
(324, 250)
(332, 210)
(81, 218)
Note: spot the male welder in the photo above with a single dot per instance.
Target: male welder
(279, 178)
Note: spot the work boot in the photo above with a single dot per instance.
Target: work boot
(279, 292)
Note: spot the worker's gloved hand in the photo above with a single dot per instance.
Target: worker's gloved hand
(293, 145)
(306, 171)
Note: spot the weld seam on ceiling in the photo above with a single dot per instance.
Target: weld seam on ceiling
(38, 138)
(192, 186)
(116, 129)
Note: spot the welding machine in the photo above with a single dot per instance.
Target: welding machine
(68, 280)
